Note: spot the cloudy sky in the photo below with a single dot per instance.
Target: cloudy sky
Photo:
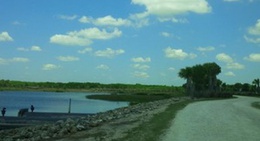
(128, 41)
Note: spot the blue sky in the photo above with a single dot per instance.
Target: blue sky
(128, 41)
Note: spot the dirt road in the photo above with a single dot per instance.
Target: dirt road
(220, 120)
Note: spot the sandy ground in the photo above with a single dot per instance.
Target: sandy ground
(220, 120)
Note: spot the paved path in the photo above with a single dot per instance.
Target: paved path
(220, 120)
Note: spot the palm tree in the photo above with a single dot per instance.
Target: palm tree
(256, 83)
(212, 70)
(186, 73)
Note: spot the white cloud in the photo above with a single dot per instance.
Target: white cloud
(230, 73)
(109, 20)
(165, 34)
(4, 36)
(85, 50)
(204, 49)
(109, 52)
(141, 66)
(178, 54)
(235, 65)
(14, 60)
(252, 39)
(50, 67)
(36, 48)
(164, 8)
(102, 67)
(254, 57)
(68, 17)
(106, 21)
(139, 19)
(174, 20)
(95, 33)
(141, 59)
(84, 37)
(85, 19)
(230, 63)
(141, 74)
(69, 40)
(68, 58)
(224, 58)
(171, 69)
(19, 59)
(255, 30)
(33, 48)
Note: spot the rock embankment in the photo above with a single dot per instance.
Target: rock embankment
(70, 126)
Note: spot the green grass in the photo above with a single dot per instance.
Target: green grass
(256, 105)
(153, 129)
(132, 98)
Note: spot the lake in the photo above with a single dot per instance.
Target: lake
(54, 102)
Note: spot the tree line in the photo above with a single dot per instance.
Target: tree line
(202, 81)
(90, 86)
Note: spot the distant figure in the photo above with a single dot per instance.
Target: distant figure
(3, 111)
(32, 108)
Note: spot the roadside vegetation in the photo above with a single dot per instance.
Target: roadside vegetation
(154, 128)
(256, 105)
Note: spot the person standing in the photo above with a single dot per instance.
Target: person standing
(3, 111)
(32, 108)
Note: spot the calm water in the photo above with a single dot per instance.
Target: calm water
(54, 102)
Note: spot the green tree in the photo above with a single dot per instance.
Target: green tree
(201, 78)
(256, 83)
(186, 73)
(212, 70)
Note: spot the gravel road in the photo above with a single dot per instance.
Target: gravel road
(220, 120)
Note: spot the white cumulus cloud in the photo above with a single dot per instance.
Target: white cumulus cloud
(85, 50)
(141, 66)
(164, 8)
(19, 59)
(141, 74)
(204, 49)
(36, 48)
(230, 63)
(254, 33)
(4, 36)
(84, 37)
(68, 58)
(178, 54)
(33, 48)
(254, 57)
(141, 59)
(109, 52)
(48, 67)
(224, 58)
(105, 21)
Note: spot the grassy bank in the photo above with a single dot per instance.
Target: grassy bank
(132, 98)
(256, 105)
(153, 129)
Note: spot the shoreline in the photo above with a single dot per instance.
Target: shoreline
(86, 124)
